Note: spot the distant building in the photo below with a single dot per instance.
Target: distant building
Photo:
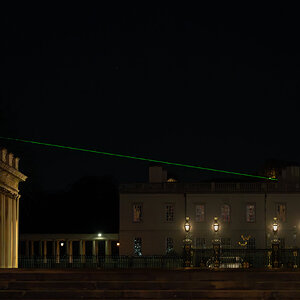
(70, 245)
(152, 214)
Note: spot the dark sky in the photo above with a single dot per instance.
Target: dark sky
(194, 85)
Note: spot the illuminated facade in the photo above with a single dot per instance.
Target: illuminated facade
(10, 177)
(152, 214)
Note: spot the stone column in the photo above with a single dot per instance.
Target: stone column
(57, 257)
(45, 251)
(70, 251)
(2, 231)
(10, 177)
(82, 250)
(107, 248)
(95, 251)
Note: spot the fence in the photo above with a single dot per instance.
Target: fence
(246, 258)
(104, 262)
(201, 258)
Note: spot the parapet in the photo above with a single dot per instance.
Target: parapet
(9, 159)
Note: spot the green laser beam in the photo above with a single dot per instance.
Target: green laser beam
(138, 158)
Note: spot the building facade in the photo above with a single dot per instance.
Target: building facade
(10, 177)
(152, 215)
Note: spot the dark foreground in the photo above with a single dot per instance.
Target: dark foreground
(149, 284)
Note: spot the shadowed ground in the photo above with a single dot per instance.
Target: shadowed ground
(149, 284)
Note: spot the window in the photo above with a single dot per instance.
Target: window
(280, 211)
(200, 243)
(169, 210)
(251, 243)
(200, 213)
(225, 213)
(137, 212)
(169, 245)
(250, 212)
(137, 246)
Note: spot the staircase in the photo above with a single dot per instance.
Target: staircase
(148, 284)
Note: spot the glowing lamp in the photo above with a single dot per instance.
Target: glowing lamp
(62, 244)
(216, 224)
(187, 225)
(118, 244)
(275, 225)
(99, 234)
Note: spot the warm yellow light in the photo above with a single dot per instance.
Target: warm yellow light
(187, 225)
(275, 225)
(99, 234)
(216, 224)
(62, 244)
(118, 244)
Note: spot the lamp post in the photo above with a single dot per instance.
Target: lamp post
(216, 244)
(187, 242)
(275, 244)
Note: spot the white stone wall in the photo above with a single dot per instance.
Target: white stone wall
(154, 229)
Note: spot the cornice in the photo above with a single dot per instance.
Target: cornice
(8, 193)
(13, 171)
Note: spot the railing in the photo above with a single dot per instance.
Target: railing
(213, 187)
(246, 258)
(103, 262)
(201, 258)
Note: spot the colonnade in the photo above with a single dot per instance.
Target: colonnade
(37, 245)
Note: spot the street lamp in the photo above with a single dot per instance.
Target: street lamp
(275, 226)
(187, 225)
(275, 245)
(187, 243)
(216, 225)
(216, 244)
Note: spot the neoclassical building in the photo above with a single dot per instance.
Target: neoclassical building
(152, 214)
(10, 177)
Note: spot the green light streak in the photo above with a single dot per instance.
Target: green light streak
(139, 158)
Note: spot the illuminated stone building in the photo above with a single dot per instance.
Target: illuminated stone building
(152, 214)
(10, 177)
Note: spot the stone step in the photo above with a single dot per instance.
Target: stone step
(149, 285)
(146, 294)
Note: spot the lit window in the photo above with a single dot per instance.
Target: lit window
(169, 245)
(280, 211)
(200, 213)
(250, 213)
(225, 213)
(137, 213)
(137, 246)
(169, 212)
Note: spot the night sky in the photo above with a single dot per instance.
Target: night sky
(184, 84)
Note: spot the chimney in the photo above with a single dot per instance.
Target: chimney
(157, 174)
